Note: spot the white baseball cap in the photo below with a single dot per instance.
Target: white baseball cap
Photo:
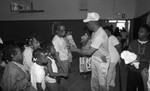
(92, 17)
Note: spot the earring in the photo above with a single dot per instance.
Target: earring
(34, 59)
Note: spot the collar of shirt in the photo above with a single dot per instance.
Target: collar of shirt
(39, 66)
(142, 42)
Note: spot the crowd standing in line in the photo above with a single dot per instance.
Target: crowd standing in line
(36, 67)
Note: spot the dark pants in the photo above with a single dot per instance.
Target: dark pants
(63, 81)
(134, 81)
(52, 86)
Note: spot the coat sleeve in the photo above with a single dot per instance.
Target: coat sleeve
(15, 81)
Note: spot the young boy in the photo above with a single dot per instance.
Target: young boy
(37, 70)
(61, 50)
(51, 78)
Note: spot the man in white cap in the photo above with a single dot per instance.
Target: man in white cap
(98, 51)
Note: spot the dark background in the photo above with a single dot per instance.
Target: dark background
(20, 30)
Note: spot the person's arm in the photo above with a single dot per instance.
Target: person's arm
(50, 71)
(39, 87)
(59, 61)
(115, 42)
(89, 51)
(118, 47)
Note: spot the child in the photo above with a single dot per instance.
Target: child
(37, 70)
(61, 51)
(70, 42)
(51, 78)
(33, 43)
(70, 38)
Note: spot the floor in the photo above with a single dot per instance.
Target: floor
(79, 82)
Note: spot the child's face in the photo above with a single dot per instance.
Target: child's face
(68, 33)
(35, 43)
(61, 31)
(52, 50)
(43, 58)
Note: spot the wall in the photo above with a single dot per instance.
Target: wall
(126, 7)
(142, 7)
(69, 9)
(20, 30)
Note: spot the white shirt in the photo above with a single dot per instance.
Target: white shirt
(100, 42)
(37, 75)
(61, 47)
(113, 41)
(27, 57)
(54, 69)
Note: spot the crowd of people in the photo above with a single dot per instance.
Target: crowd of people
(37, 67)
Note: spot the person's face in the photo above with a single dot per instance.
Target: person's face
(52, 50)
(142, 33)
(19, 56)
(43, 59)
(68, 33)
(35, 43)
(61, 31)
(89, 25)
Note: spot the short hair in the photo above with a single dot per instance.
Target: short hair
(109, 29)
(146, 26)
(37, 53)
(68, 30)
(46, 46)
(31, 36)
(56, 26)
(9, 52)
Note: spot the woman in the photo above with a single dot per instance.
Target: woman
(114, 49)
(140, 47)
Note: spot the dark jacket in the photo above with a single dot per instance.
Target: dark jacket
(144, 59)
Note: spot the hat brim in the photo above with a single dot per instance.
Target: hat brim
(86, 20)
